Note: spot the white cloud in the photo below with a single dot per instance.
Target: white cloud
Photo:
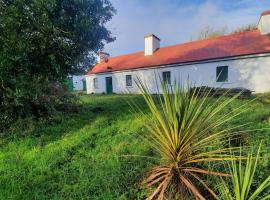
(174, 22)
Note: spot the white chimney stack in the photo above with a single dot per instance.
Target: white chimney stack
(264, 23)
(151, 44)
(103, 57)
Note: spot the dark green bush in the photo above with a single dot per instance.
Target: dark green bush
(41, 99)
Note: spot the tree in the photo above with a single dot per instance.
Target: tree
(210, 32)
(44, 41)
(245, 28)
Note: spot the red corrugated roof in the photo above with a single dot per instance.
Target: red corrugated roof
(251, 42)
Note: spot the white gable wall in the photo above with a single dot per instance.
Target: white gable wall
(248, 72)
(78, 82)
(264, 24)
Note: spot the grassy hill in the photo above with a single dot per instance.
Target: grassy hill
(90, 153)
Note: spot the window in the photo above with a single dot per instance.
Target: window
(166, 77)
(128, 80)
(222, 74)
(95, 80)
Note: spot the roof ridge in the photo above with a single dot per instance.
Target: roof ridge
(189, 42)
(214, 38)
(236, 44)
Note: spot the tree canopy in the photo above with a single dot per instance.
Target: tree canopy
(42, 41)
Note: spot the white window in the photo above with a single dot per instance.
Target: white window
(128, 80)
(95, 83)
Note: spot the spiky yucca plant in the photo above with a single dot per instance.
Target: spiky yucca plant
(185, 131)
(242, 179)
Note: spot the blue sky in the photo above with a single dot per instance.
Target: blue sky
(176, 21)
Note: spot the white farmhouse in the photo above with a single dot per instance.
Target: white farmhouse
(240, 60)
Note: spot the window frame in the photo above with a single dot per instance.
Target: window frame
(164, 77)
(219, 74)
(129, 81)
(95, 83)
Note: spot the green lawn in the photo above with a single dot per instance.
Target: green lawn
(90, 153)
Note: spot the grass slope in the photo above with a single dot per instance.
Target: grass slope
(83, 155)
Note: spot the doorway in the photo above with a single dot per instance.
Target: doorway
(109, 85)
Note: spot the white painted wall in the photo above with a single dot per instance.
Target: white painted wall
(78, 82)
(264, 24)
(248, 72)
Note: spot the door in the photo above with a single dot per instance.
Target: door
(84, 84)
(109, 85)
(70, 85)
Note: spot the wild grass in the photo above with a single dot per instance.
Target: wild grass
(82, 155)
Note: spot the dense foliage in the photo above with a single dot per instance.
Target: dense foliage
(44, 41)
(97, 153)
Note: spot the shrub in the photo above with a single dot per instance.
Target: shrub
(41, 99)
(185, 132)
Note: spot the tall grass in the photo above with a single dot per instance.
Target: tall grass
(185, 132)
(80, 155)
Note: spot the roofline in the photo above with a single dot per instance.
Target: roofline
(212, 60)
(184, 43)
(222, 36)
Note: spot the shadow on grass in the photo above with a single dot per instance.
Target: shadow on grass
(91, 108)
(81, 157)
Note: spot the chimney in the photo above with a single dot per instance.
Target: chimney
(264, 23)
(103, 57)
(151, 44)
